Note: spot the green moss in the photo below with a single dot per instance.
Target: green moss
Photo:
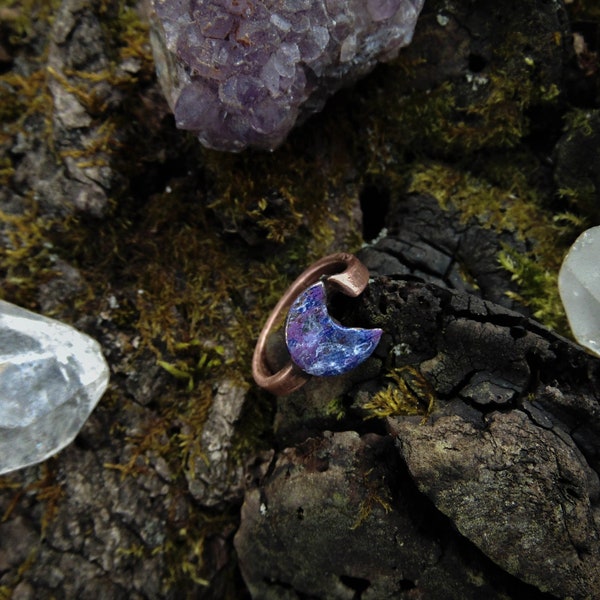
(535, 281)
(6, 591)
(184, 553)
(582, 198)
(22, 97)
(6, 170)
(22, 18)
(456, 120)
(579, 120)
(127, 33)
(336, 409)
(513, 206)
(377, 495)
(437, 122)
(26, 258)
(283, 197)
(209, 359)
(576, 160)
(408, 394)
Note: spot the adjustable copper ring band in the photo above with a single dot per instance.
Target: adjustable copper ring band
(347, 274)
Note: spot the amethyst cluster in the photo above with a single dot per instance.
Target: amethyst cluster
(241, 73)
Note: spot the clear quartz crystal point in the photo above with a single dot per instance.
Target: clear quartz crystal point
(51, 378)
(579, 287)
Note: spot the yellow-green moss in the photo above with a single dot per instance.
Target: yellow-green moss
(26, 258)
(183, 552)
(22, 96)
(6, 591)
(408, 394)
(449, 119)
(538, 285)
(21, 17)
(284, 197)
(575, 171)
(511, 205)
(578, 119)
(336, 409)
(377, 495)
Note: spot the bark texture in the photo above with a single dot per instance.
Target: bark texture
(508, 454)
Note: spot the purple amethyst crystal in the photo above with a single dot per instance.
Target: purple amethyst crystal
(319, 345)
(241, 73)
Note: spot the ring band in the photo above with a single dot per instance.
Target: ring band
(347, 274)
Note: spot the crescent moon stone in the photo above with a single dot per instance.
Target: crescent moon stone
(318, 344)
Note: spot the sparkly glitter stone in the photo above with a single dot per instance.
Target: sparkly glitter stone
(579, 287)
(51, 378)
(319, 345)
(241, 73)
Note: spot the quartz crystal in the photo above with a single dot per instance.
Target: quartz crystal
(318, 344)
(241, 73)
(579, 287)
(51, 378)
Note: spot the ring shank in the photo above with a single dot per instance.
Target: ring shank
(347, 274)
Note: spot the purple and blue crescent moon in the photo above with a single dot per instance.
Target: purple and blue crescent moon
(318, 344)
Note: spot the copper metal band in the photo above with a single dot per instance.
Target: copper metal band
(347, 274)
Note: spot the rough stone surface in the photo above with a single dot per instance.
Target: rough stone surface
(531, 481)
(93, 553)
(73, 184)
(509, 453)
(214, 480)
(579, 285)
(527, 466)
(242, 73)
(345, 485)
(51, 378)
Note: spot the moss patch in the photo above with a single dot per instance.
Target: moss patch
(407, 394)
(513, 206)
(26, 258)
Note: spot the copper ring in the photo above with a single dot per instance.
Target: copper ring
(347, 274)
